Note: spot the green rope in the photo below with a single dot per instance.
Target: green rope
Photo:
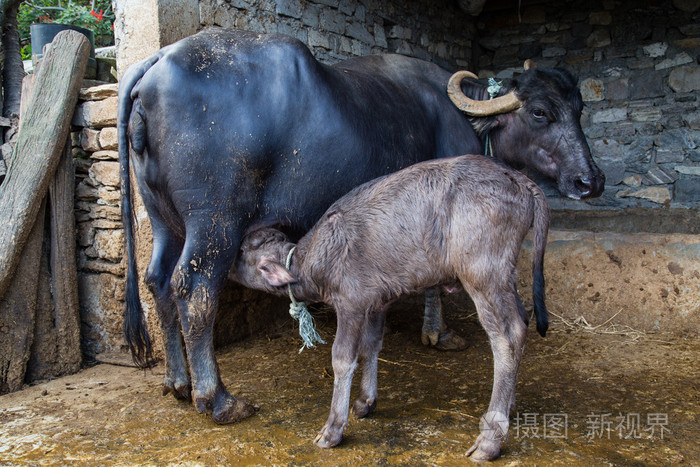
(300, 312)
(493, 90)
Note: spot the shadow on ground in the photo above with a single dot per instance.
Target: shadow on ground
(601, 397)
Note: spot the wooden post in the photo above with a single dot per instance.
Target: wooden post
(56, 348)
(43, 132)
(42, 135)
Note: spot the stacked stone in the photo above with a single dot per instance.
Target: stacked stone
(640, 80)
(100, 233)
(338, 29)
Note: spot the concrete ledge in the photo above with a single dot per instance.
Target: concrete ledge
(661, 220)
(649, 282)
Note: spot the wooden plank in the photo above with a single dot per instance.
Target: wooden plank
(56, 350)
(42, 135)
(17, 311)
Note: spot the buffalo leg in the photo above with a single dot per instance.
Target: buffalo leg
(435, 332)
(166, 251)
(369, 352)
(345, 352)
(198, 278)
(500, 318)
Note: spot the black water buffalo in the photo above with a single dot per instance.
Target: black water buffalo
(230, 131)
(460, 218)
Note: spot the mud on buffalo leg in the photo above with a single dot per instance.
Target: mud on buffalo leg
(345, 352)
(497, 308)
(370, 347)
(166, 251)
(435, 332)
(196, 282)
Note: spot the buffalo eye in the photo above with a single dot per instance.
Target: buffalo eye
(539, 115)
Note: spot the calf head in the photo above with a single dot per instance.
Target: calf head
(260, 261)
(535, 123)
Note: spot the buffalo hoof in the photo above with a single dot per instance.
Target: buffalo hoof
(229, 409)
(328, 437)
(445, 340)
(181, 391)
(361, 408)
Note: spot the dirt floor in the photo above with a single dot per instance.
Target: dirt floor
(603, 396)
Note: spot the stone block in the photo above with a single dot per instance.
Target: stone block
(380, 37)
(685, 79)
(98, 93)
(598, 38)
(660, 176)
(609, 116)
(655, 50)
(687, 189)
(105, 173)
(646, 85)
(681, 59)
(316, 39)
(105, 155)
(109, 244)
(688, 170)
(553, 52)
(108, 138)
(331, 20)
(96, 114)
(89, 140)
(291, 8)
(655, 194)
(617, 90)
(649, 114)
(108, 195)
(357, 30)
(592, 90)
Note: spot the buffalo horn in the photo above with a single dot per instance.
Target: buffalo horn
(474, 108)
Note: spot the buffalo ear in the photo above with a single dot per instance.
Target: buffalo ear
(274, 273)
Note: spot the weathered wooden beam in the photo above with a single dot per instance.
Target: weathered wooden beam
(56, 348)
(42, 134)
(18, 311)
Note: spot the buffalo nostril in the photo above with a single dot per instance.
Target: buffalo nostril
(584, 185)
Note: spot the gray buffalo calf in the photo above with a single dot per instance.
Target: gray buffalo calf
(433, 223)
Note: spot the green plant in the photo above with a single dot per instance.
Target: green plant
(26, 52)
(94, 15)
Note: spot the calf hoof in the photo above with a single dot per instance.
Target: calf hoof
(483, 451)
(328, 438)
(449, 340)
(228, 409)
(361, 408)
(181, 391)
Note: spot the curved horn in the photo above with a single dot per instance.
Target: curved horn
(476, 108)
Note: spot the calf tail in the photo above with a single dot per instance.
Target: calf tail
(540, 227)
(135, 331)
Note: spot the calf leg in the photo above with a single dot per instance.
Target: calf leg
(166, 251)
(435, 332)
(498, 313)
(205, 261)
(345, 353)
(369, 352)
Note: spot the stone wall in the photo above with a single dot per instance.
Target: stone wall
(98, 217)
(337, 29)
(639, 74)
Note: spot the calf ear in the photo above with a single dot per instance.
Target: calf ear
(274, 273)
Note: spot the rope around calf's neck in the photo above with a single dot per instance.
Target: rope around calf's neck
(300, 312)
